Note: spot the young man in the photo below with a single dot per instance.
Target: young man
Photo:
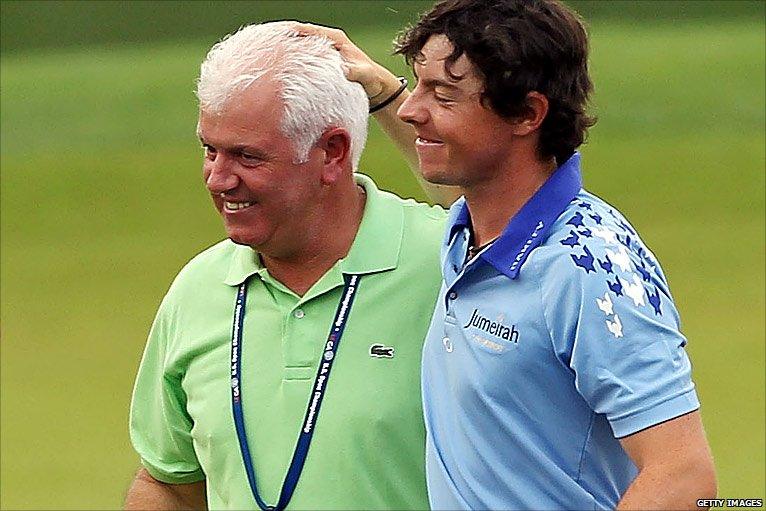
(554, 374)
(283, 367)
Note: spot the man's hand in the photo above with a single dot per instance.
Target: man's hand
(148, 493)
(378, 82)
(675, 467)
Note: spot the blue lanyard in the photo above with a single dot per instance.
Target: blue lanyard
(315, 399)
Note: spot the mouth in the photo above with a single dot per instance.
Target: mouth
(236, 206)
(422, 141)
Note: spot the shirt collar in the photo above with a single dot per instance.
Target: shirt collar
(529, 226)
(376, 246)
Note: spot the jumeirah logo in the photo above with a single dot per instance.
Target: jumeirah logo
(496, 328)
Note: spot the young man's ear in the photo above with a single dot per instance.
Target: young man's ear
(534, 115)
(335, 144)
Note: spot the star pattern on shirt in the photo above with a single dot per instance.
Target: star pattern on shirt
(576, 220)
(572, 240)
(584, 261)
(629, 271)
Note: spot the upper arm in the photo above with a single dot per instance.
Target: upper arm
(160, 425)
(679, 440)
(146, 492)
(675, 465)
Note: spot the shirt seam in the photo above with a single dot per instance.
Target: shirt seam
(539, 283)
(584, 446)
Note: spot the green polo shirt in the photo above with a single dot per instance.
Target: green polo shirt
(368, 446)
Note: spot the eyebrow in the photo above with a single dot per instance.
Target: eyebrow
(435, 82)
(438, 82)
(239, 148)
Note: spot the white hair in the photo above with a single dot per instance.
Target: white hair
(309, 71)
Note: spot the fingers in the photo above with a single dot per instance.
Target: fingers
(336, 35)
(357, 65)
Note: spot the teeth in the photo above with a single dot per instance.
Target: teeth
(237, 205)
(427, 141)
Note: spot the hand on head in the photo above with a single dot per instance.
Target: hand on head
(378, 82)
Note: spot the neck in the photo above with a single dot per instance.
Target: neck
(329, 235)
(492, 203)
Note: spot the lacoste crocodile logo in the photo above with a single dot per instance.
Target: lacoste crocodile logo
(381, 351)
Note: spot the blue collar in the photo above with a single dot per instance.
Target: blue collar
(529, 227)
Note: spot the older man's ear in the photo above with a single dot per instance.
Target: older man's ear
(335, 147)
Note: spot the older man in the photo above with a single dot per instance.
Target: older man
(283, 365)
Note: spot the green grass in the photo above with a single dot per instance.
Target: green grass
(102, 202)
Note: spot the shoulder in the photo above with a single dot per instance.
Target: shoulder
(422, 219)
(593, 237)
(421, 224)
(209, 266)
(416, 212)
(192, 296)
(591, 246)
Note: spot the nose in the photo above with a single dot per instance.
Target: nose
(412, 110)
(218, 174)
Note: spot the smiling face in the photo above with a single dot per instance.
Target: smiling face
(261, 194)
(460, 141)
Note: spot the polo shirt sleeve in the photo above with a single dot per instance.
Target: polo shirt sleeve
(160, 427)
(618, 332)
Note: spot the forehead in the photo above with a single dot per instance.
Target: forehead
(433, 56)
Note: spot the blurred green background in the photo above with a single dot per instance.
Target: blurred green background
(102, 203)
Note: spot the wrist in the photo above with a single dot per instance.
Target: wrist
(388, 95)
(386, 84)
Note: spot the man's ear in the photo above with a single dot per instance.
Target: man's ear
(335, 145)
(533, 117)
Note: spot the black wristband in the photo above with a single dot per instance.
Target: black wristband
(392, 97)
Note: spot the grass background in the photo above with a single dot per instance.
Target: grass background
(101, 202)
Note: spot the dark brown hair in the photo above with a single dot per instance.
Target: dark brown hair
(518, 46)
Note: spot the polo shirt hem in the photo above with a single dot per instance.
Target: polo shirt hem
(173, 477)
(670, 409)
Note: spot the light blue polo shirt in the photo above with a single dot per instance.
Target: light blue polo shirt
(544, 349)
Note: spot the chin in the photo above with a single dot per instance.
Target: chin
(437, 175)
(246, 239)
(239, 241)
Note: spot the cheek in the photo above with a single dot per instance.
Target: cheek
(478, 136)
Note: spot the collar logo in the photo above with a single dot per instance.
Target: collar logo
(529, 242)
(381, 351)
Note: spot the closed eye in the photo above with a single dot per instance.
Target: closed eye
(209, 150)
(250, 159)
(444, 101)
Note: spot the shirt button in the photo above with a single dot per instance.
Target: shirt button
(452, 295)
(447, 344)
(299, 313)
